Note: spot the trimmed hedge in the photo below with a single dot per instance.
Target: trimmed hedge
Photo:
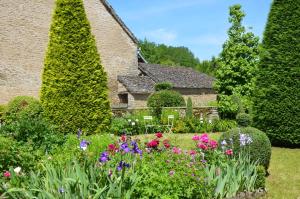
(164, 98)
(163, 86)
(22, 107)
(277, 94)
(243, 119)
(259, 150)
(74, 90)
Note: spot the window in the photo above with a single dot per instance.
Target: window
(123, 98)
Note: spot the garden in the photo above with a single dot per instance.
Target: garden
(68, 144)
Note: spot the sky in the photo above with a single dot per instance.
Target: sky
(200, 25)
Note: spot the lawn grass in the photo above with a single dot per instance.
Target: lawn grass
(284, 179)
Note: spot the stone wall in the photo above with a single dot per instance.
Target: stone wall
(24, 29)
(200, 97)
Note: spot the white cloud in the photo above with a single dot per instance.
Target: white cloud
(161, 35)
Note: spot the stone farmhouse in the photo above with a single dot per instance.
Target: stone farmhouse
(24, 35)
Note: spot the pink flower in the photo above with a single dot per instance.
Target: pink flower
(229, 152)
(6, 174)
(202, 146)
(213, 144)
(196, 137)
(166, 144)
(176, 150)
(204, 138)
(172, 172)
(193, 152)
(159, 135)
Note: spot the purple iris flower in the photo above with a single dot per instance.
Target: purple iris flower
(122, 165)
(79, 133)
(135, 148)
(104, 157)
(125, 147)
(245, 139)
(84, 144)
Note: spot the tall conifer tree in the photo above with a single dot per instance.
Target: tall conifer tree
(277, 93)
(74, 88)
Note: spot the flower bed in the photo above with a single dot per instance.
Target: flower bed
(128, 168)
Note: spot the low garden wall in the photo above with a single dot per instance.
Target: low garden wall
(210, 112)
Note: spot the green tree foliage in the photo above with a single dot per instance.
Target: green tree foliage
(164, 98)
(174, 56)
(277, 92)
(237, 64)
(163, 86)
(189, 108)
(74, 88)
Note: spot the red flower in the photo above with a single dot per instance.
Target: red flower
(166, 144)
(192, 152)
(123, 138)
(153, 144)
(159, 135)
(112, 147)
(229, 152)
(6, 174)
(202, 146)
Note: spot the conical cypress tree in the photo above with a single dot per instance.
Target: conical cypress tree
(277, 96)
(74, 88)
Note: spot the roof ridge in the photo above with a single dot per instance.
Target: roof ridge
(111, 10)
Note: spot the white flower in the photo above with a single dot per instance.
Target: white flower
(129, 120)
(133, 123)
(17, 170)
(137, 120)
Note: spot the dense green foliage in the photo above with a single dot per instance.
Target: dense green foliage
(237, 64)
(163, 178)
(277, 93)
(259, 147)
(244, 119)
(175, 56)
(164, 98)
(74, 89)
(38, 132)
(163, 86)
(189, 108)
(22, 107)
(14, 154)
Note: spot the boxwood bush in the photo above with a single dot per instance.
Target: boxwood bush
(22, 107)
(244, 119)
(259, 149)
(164, 98)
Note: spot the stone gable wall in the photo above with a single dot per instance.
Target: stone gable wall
(24, 33)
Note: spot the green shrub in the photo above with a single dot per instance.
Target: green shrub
(22, 107)
(70, 149)
(259, 149)
(277, 93)
(189, 108)
(169, 111)
(223, 125)
(13, 154)
(166, 175)
(244, 119)
(35, 132)
(74, 90)
(261, 177)
(163, 86)
(165, 98)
